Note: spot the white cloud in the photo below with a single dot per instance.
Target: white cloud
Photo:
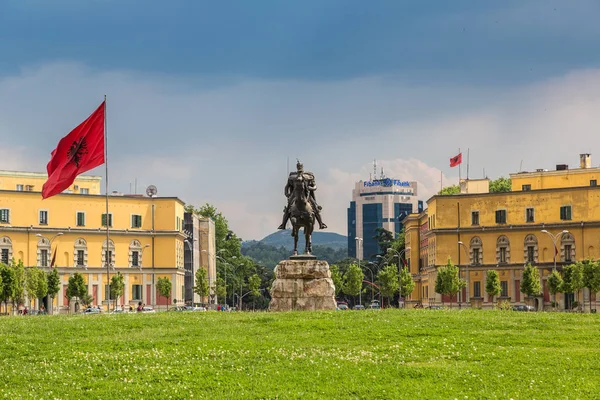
(228, 144)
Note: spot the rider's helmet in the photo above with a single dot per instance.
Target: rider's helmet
(299, 166)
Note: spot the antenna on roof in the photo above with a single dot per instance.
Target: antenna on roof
(382, 174)
(374, 168)
(521, 166)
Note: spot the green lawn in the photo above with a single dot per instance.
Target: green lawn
(389, 354)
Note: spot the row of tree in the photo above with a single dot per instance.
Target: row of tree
(18, 283)
(389, 281)
(500, 185)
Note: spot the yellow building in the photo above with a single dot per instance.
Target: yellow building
(146, 237)
(505, 231)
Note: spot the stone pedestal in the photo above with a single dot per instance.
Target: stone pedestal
(302, 283)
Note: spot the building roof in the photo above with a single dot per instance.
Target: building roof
(78, 195)
(43, 175)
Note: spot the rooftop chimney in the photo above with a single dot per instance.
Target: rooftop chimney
(585, 160)
(562, 167)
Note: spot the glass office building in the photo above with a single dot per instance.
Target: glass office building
(379, 203)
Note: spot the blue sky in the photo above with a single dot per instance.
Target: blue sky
(208, 99)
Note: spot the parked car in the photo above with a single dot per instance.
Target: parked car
(148, 310)
(91, 310)
(198, 309)
(342, 306)
(178, 309)
(359, 307)
(375, 305)
(435, 307)
(522, 307)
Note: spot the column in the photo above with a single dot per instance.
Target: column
(126, 290)
(485, 293)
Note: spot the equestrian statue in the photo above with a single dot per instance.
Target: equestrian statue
(302, 208)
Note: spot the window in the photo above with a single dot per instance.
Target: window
(136, 292)
(136, 221)
(4, 256)
(44, 258)
(593, 182)
(503, 255)
(135, 259)
(178, 224)
(29, 188)
(526, 188)
(501, 216)
(43, 217)
(568, 253)
(80, 258)
(477, 289)
(19, 188)
(108, 257)
(565, 213)
(474, 217)
(80, 218)
(84, 191)
(110, 221)
(529, 215)
(5, 216)
(475, 256)
(530, 254)
(504, 289)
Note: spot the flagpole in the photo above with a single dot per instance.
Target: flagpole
(107, 255)
(459, 167)
(468, 163)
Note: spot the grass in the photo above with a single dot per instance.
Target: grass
(388, 354)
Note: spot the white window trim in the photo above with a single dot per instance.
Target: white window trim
(9, 216)
(134, 247)
(478, 218)
(505, 216)
(82, 188)
(83, 247)
(571, 210)
(84, 219)
(47, 217)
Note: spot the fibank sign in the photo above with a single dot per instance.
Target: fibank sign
(387, 183)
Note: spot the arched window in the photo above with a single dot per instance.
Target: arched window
(43, 252)
(567, 247)
(108, 253)
(6, 251)
(530, 249)
(135, 254)
(502, 250)
(476, 251)
(80, 254)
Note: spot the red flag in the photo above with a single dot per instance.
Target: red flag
(53, 259)
(81, 150)
(454, 161)
(555, 251)
(404, 262)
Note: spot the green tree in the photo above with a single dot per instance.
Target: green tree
(201, 287)
(501, 185)
(254, 286)
(8, 277)
(407, 285)
(388, 281)
(555, 285)
(573, 279)
(530, 284)
(353, 279)
(337, 279)
(76, 288)
(448, 281)
(449, 190)
(591, 278)
(164, 288)
(117, 286)
(36, 285)
(53, 280)
(221, 289)
(18, 283)
(492, 283)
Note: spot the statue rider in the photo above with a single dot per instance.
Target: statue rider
(289, 193)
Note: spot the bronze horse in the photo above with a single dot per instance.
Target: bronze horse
(302, 214)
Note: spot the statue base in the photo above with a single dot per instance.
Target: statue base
(302, 283)
(302, 257)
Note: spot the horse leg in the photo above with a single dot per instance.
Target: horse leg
(308, 237)
(295, 234)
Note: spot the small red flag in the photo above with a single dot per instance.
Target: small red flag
(53, 259)
(454, 161)
(404, 262)
(81, 150)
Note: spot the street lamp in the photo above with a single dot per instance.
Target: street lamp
(399, 255)
(372, 279)
(554, 240)
(466, 270)
(358, 245)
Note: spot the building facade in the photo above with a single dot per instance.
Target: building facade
(505, 232)
(200, 253)
(379, 203)
(145, 241)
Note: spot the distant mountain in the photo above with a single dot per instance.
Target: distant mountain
(284, 238)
